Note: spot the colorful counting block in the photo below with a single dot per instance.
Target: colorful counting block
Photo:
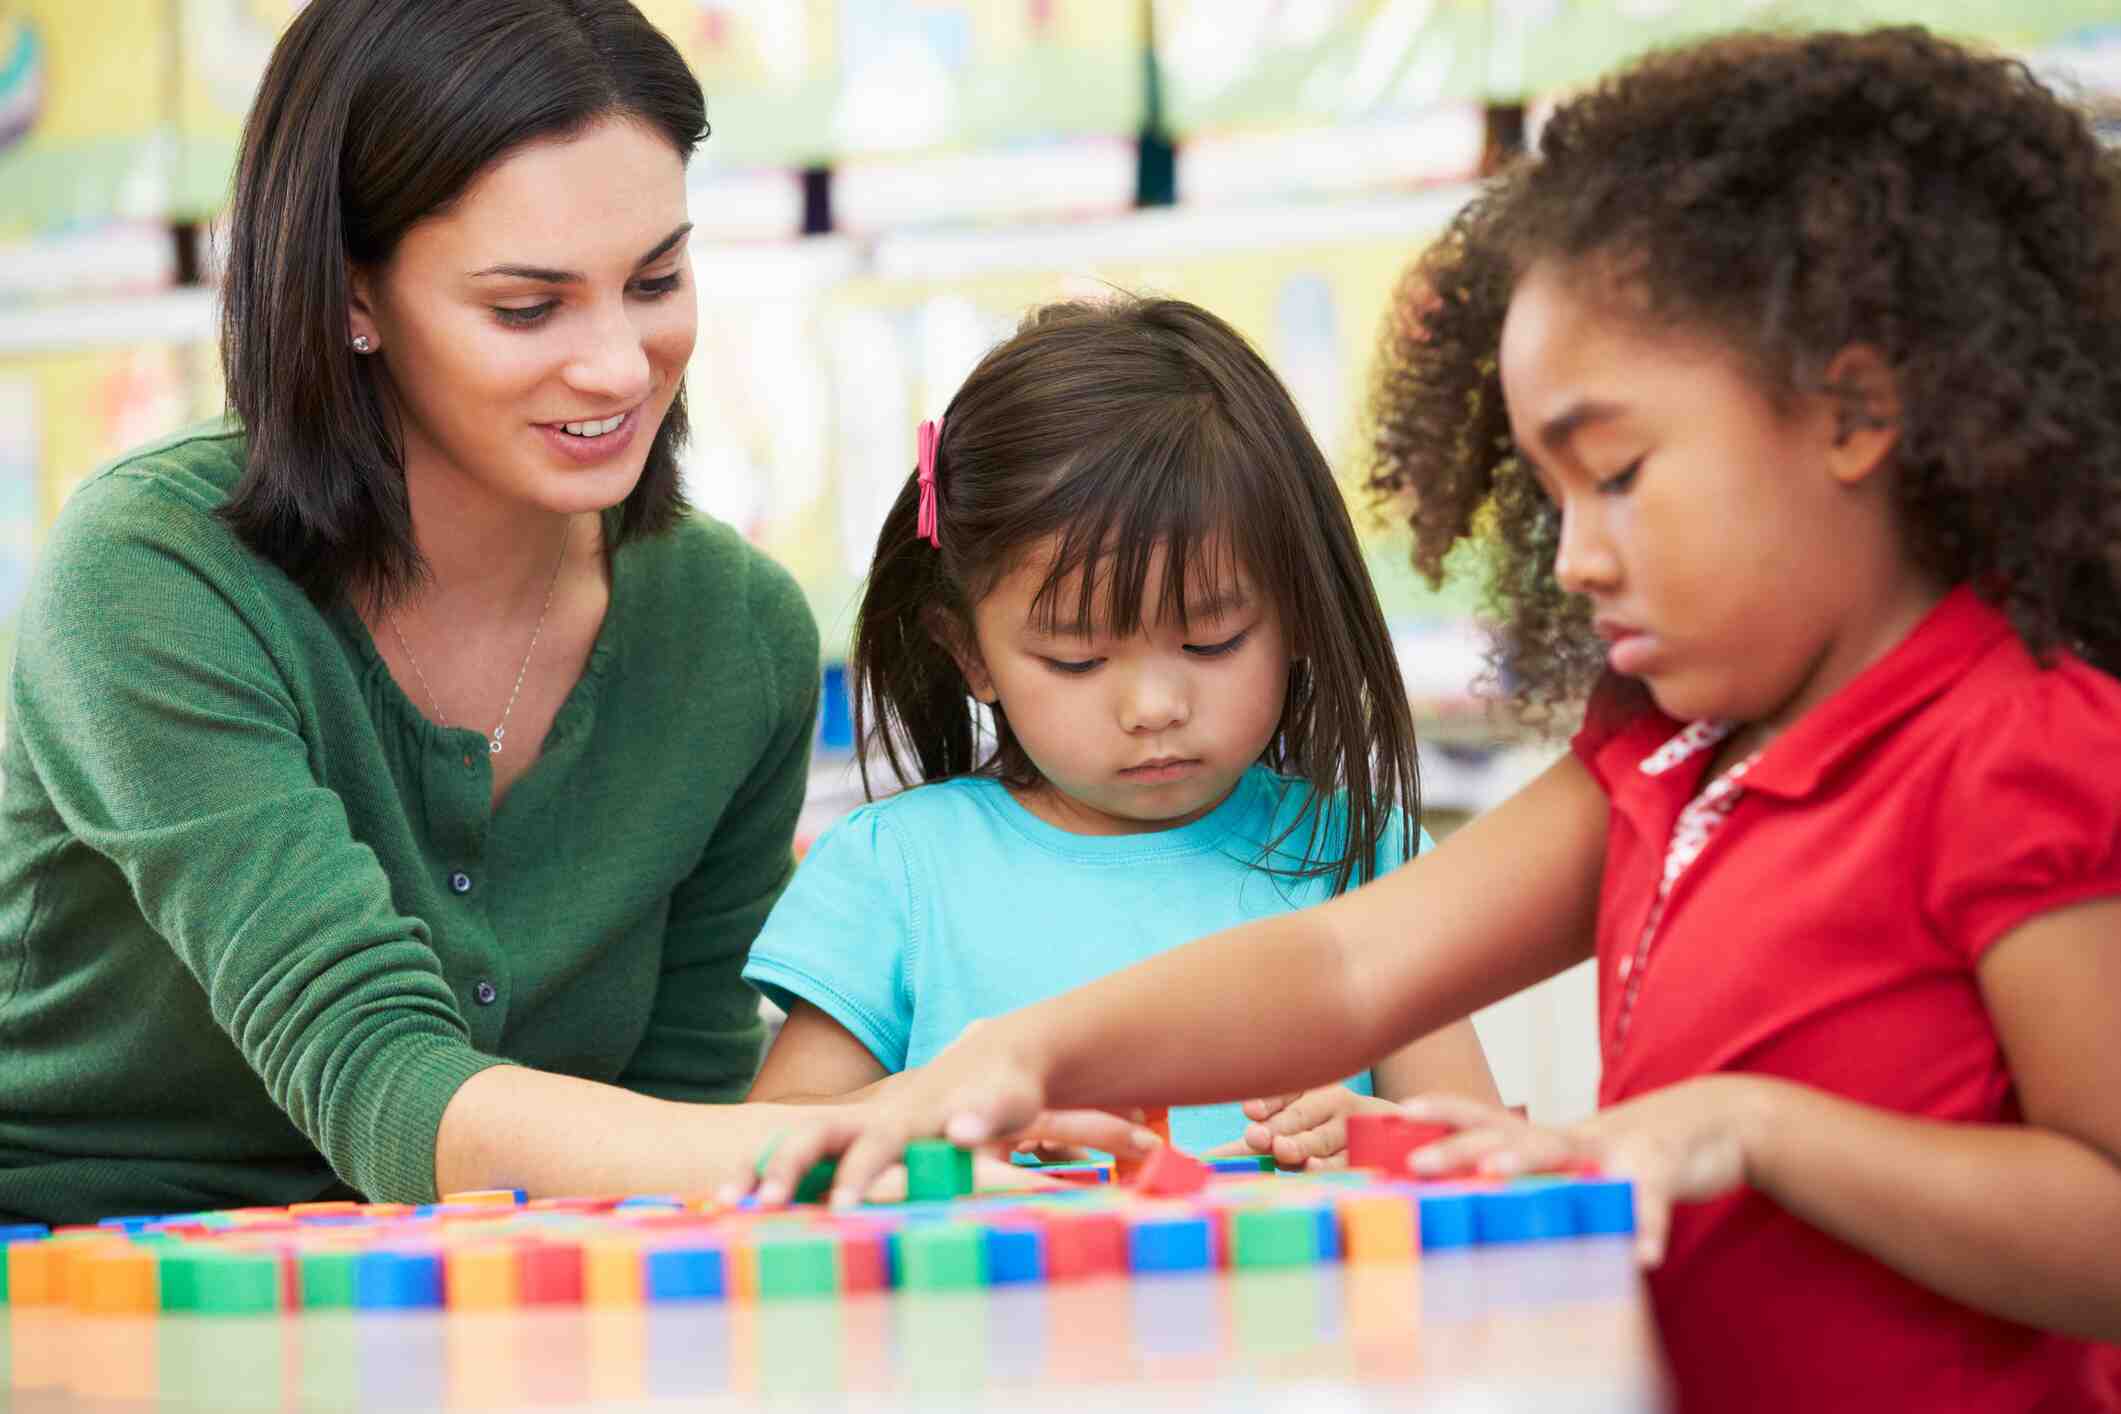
(1169, 1174)
(942, 1257)
(1381, 1227)
(865, 1258)
(612, 1273)
(326, 1280)
(1524, 1213)
(685, 1272)
(1385, 1141)
(1604, 1206)
(550, 1274)
(1158, 1122)
(116, 1281)
(1243, 1163)
(480, 1278)
(1015, 1254)
(1446, 1219)
(32, 1274)
(936, 1169)
(484, 1197)
(236, 1283)
(1274, 1237)
(393, 1281)
(1085, 1244)
(1173, 1244)
(797, 1266)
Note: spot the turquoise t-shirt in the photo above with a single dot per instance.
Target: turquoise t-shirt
(950, 902)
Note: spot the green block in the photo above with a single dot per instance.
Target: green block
(1274, 1237)
(937, 1169)
(328, 1281)
(236, 1283)
(942, 1257)
(798, 1267)
(816, 1181)
(177, 1271)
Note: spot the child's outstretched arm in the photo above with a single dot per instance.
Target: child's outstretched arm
(2019, 1220)
(1309, 1128)
(1283, 1003)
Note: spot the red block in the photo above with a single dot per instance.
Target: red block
(1385, 1141)
(1167, 1173)
(1085, 1245)
(549, 1274)
(865, 1260)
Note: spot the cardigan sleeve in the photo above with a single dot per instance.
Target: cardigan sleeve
(704, 1034)
(149, 702)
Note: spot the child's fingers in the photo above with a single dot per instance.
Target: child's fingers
(1457, 1111)
(1319, 1142)
(1653, 1221)
(1235, 1149)
(1532, 1151)
(1466, 1149)
(1267, 1108)
(872, 1151)
(794, 1152)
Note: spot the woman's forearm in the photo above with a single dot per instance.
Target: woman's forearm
(554, 1135)
(2015, 1220)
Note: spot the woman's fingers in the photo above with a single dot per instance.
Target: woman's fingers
(1268, 1107)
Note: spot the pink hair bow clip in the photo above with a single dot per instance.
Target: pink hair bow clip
(930, 524)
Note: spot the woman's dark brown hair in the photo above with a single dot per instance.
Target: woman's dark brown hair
(1113, 431)
(1795, 195)
(373, 116)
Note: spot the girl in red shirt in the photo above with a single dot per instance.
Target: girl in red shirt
(1782, 387)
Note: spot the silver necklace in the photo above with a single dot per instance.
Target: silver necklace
(493, 740)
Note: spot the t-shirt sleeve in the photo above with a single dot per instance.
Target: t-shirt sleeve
(146, 698)
(841, 936)
(704, 1032)
(2030, 819)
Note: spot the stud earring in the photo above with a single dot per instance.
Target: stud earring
(361, 343)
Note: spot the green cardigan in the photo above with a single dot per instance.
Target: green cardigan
(258, 919)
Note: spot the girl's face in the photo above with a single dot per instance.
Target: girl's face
(1740, 557)
(554, 294)
(1134, 734)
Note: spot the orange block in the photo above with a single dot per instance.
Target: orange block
(498, 1197)
(118, 1281)
(1379, 1228)
(33, 1274)
(480, 1278)
(68, 1258)
(612, 1273)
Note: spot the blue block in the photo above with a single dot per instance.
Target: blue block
(1604, 1205)
(1015, 1254)
(1446, 1220)
(398, 1281)
(23, 1232)
(1328, 1235)
(128, 1225)
(685, 1274)
(1524, 1214)
(1169, 1245)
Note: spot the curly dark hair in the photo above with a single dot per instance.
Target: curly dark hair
(1794, 195)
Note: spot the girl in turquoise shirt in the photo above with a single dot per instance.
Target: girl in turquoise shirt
(1121, 541)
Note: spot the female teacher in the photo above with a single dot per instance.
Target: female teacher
(396, 774)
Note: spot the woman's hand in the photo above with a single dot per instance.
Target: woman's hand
(1307, 1130)
(975, 1093)
(1686, 1143)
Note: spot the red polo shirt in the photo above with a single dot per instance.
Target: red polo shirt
(1828, 933)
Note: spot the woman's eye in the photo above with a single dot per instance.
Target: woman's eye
(658, 287)
(524, 316)
(1218, 650)
(1073, 669)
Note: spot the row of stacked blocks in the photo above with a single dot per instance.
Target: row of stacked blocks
(494, 1250)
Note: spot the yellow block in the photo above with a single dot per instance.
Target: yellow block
(480, 1278)
(1379, 1229)
(118, 1281)
(335, 1209)
(612, 1272)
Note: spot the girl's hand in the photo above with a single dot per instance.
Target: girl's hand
(1307, 1130)
(975, 1093)
(1686, 1143)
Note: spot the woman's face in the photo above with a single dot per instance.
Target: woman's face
(535, 332)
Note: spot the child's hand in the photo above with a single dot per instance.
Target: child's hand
(974, 1093)
(1682, 1144)
(1308, 1130)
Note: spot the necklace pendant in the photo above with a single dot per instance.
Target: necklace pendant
(493, 747)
